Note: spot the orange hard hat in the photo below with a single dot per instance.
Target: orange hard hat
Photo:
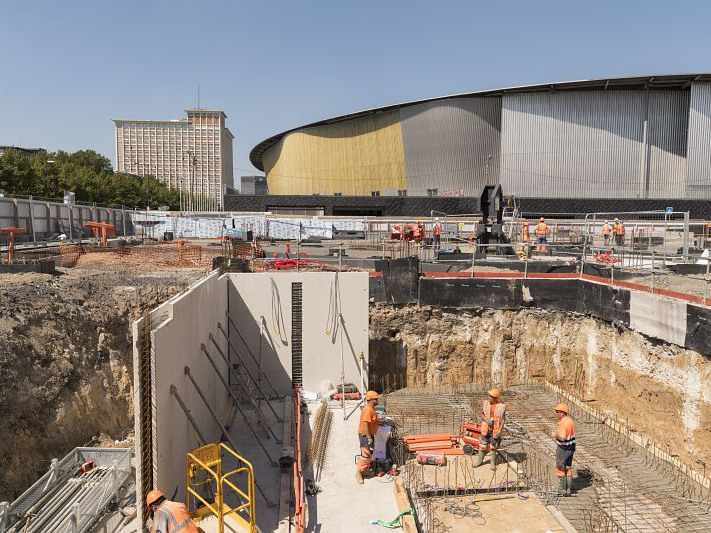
(494, 393)
(563, 407)
(153, 496)
(371, 395)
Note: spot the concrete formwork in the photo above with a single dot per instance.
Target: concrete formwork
(335, 322)
(178, 328)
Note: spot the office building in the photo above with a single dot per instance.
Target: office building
(193, 155)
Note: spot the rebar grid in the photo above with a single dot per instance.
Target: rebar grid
(619, 485)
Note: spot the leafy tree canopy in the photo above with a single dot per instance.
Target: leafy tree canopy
(86, 173)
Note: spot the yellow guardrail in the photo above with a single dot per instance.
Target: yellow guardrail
(208, 461)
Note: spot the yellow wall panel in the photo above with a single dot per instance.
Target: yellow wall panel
(353, 157)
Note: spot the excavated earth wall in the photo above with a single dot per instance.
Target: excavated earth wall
(663, 389)
(66, 360)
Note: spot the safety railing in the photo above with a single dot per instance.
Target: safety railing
(211, 455)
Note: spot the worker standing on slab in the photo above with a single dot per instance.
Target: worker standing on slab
(437, 234)
(367, 428)
(606, 232)
(492, 422)
(541, 231)
(416, 235)
(168, 517)
(565, 437)
(619, 230)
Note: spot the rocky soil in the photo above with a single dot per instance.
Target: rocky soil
(663, 389)
(66, 360)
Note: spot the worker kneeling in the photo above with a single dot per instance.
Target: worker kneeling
(367, 428)
(492, 422)
(168, 517)
(565, 438)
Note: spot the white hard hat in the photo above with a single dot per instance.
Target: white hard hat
(436, 218)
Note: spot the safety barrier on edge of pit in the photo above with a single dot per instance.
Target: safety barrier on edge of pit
(299, 485)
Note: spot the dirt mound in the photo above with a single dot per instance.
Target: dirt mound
(66, 356)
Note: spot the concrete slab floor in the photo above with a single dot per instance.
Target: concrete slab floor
(343, 505)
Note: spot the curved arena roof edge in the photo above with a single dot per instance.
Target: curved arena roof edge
(666, 81)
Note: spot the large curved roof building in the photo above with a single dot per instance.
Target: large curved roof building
(641, 137)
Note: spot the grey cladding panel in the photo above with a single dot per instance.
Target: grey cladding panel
(447, 144)
(594, 144)
(698, 181)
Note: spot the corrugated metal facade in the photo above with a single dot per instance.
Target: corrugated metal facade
(604, 144)
(698, 176)
(353, 157)
(452, 145)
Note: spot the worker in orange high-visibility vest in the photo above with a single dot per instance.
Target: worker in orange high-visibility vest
(367, 428)
(525, 236)
(606, 232)
(619, 231)
(493, 418)
(565, 438)
(168, 517)
(416, 235)
(541, 232)
(437, 232)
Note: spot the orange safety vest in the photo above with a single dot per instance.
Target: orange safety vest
(437, 228)
(497, 412)
(177, 516)
(416, 231)
(619, 229)
(542, 229)
(524, 233)
(606, 229)
(566, 429)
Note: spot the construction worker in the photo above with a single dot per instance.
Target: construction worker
(565, 438)
(437, 234)
(367, 428)
(493, 418)
(619, 231)
(606, 232)
(168, 517)
(541, 232)
(525, 235)
(416, 235)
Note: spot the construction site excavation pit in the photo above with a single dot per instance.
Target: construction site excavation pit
(247, 388)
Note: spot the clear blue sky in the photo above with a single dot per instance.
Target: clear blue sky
(68, 67)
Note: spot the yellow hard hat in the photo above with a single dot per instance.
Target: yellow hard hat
(371, 395)
(494, 393)
(153, 496)
(563, 407)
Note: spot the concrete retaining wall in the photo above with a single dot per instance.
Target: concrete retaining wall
(672, 320)
(261, 307)
(179, 327)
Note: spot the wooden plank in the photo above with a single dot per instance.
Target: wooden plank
(403, 504)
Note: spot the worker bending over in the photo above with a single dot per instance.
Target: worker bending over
(541, 231)
(168, 517)
(367, 428)
(493, 419)
(565, 437)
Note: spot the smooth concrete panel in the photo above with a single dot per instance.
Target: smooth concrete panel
(662, 318)
(261, 307)
(193, 315)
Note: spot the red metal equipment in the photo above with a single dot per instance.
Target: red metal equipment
(469, 434)
(11, 232)
(103, 228)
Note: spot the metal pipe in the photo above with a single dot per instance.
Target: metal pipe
(249, 351)
(226, 433)
(193, 422)
(234, 398)
(224, 358)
